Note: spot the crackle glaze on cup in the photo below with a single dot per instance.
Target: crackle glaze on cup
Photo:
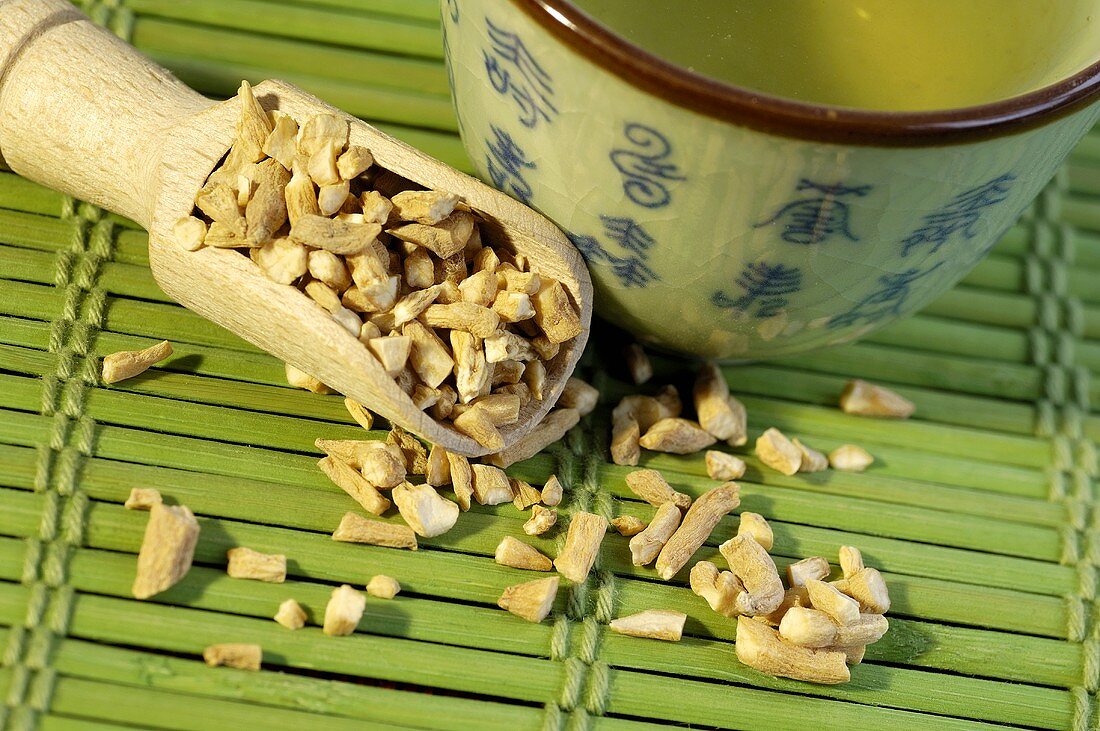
(742, 237)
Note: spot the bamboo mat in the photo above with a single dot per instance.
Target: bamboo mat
(979, 510)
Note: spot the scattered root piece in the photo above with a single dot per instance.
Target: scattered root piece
(842, 608)
(234, 655)
(582, 546)
(760, 647)
(354, 528)
(345, 609)
(700, 520)
(655, 624)
(427, 512)
(531, 600)
(129, 363)
(812, 460)
(167, 549)
(651, 486)
(723, 466)
(552, 492)
(647, 544)
(850, 458)
(362, 417)
(868, 588)
(525, 495)
(713, 406)
(301, 379)
(628, 525)
(354, 484)
(381, 464)
(462, 479)
(244, 563)
(851, 561)
(541, 520)
(491, 485)
(625, 441)
(554, 312)
(549, 431)
(794, 597)
(865, 630)
(755, 526)
(755, 568)
(416, 456)
(519, 555)
(291, 615)
(383, 587)
(637, 363)
(807, 627)
(867, 399)
(719, 589)
(143, 498)
(778, 452)
(814, 567)
(478, 425)
(676, 436)
(579, 395)
(438, 472)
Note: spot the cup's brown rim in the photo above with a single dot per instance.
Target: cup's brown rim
(814, 122)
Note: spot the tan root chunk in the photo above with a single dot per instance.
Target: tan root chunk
(760, 647)
(474, 319)
(355, 485)
(143, 498)
(719, 589)
(869, 588)
(383, 587)
(812, 460)
(189, 233)
(323, 295)
(756, 527)
(301, 196)
(462, 479)
(282, 260)
(412, 304)
(412, 451)
(354, 162)
(129, 363)
(513, 307)
(472, 373)
(438, 472)
(755, 568)
(266, 211)
(544, 348)
(531, 600)
(807, 627)
(321, 165)
(424, 206)
(519, 555)
(579, 395)
(655, 624)
(506, 345)
(794, 597)
(238, 655)
(582, 545)
(291, 615)
(647, 545)
(851, 561)
(392, 351)
(281, 144)
(722, 466)
(429, 357)
(477, 424)
(339, 237)
(867, 399)
(522, 282)
(490, 485)
(345, 609)
(628, 525)
(166, 550)
(625, 441)
(354, 528)
(219, 203)
(554, 312)
(244, 563)
(549, 431)
(501, 408)
(535, 378)
(776, 451)
(865, 630)
(843, 609)
(330, 269)
(507, 372)
(301, 379)
(382, 464)
(425, 510)
(676, 436)
(253, 125)
(444, 239)
(376, 208)
(222, 236)
(480, 288)
(701, 518)
(362, 417)
(637, 364)
(552, 491)
(525, 495)
(541, 520)
(814, 568)
(652, 487)
(713, 406)
(850, 458)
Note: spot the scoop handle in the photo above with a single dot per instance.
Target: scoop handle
(83, 112)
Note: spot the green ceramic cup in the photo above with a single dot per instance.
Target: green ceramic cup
(732, 224)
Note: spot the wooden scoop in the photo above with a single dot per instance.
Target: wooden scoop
(82, 112)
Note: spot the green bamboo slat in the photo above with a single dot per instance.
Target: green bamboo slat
(21, 194)
(996, 272)
(34, 231)
(131, 247)
(994, 308)
(50, 722)
(380, 33)
(24, 333)
(419, 9)
(29, 300)
(953, 337)
(156, 320)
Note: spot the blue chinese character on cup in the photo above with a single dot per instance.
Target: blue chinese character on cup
(818, 214)
(645, 166)
(960, 216)
(887, 300)
(631, 269)
(515, 73)
(764, 290)
(507, 164)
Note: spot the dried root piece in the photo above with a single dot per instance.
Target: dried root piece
(778, 452)
(219, 202)
(676, 436)
(381, 463)
(167, 549)
(867, 399)
(354, 528)
(462, 479)
(301, 379)
(717, 412)
(189, 233)
(655, 624)
(531, 600)
(281, 143)
(582, 545)
(282, 260)
(579, 395)
(345, 609)
(424, 206)
(339, 237)
(628, 525)
(478, 425)
(850, 458)
(552, 491)
(438, 472)
(392, 351)
(129, 363)
(490, 485)
(291, 615)
(519, 555)
(808, 627)
(652, 487)
(253, 125)
(362, 417)
(266, 211)
(700, 520)
(444, 239)
(549, 431)
(812, 460)
(412, 450)
(541, 520)
(244, 563)
(525, 495)
(353, 163)
(383, 587)
(479, 321)
(355, 485)
(427, 512)
(513, 307)
(851, 561)
(722, 466)
(760, 647)
(238, 655)
(755, 568)
(865, 630)
(625, 441)
(756, 527)
(143, 498)
(869, 588)
(793, 597)
(647, 545)
(554, 312)
(637, 363)
(301, 196)
(841, 608)
(815, 568)
(430, 357)
(719, 589)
